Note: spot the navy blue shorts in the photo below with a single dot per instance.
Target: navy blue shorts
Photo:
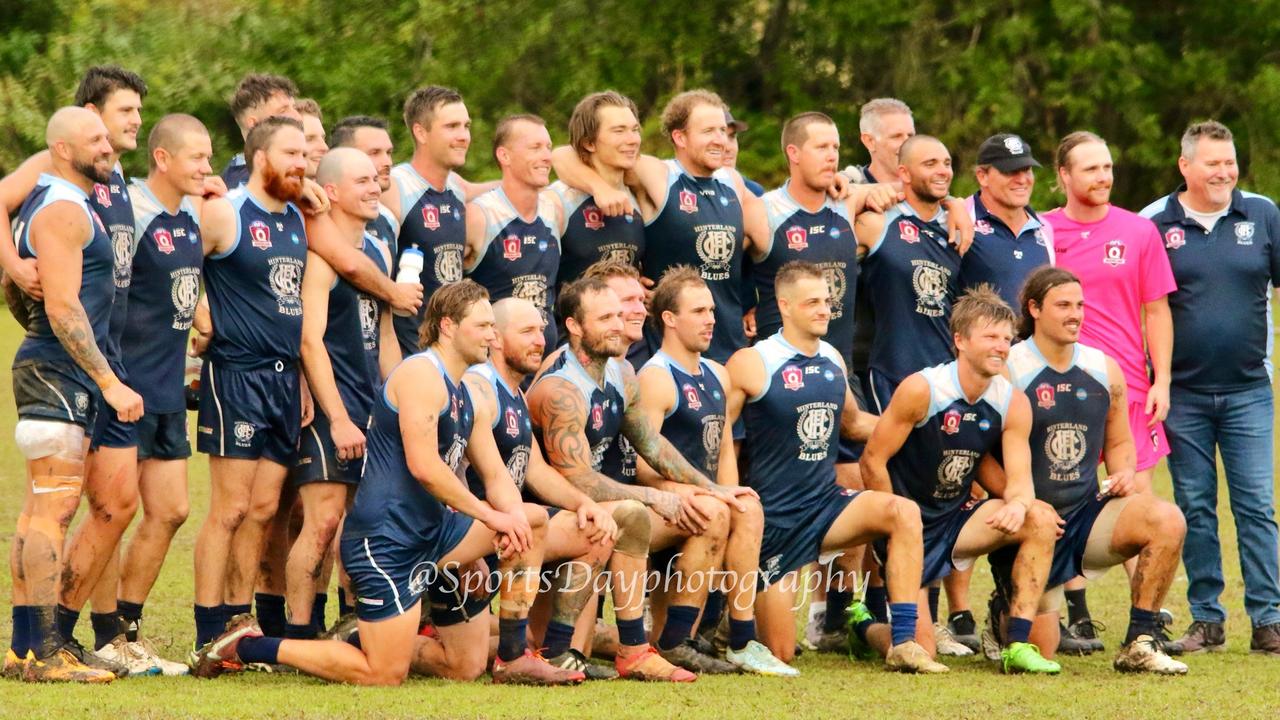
(249, 414)
(163, 436)
(783, 549)
(850, 450)
(1068, 554)
(389, 576)
(318, 458)
(940, 543)
(55, 390)
(453, 601)
(108, 431)
(879, 390)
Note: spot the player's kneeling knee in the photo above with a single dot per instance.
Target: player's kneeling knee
(386, 677)
(632, 519)
(905, 514)
(38, 439)
(1041, 517)
(1169, 520)
(536, 514)
(717, 511)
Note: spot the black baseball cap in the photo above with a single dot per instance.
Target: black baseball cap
(737, 125)
(1007, 153)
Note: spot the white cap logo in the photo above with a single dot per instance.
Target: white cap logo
(1014, 145)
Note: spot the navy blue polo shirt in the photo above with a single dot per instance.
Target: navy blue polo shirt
(1221, 327)
(1001, 258)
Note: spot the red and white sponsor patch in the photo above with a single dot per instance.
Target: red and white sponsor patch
(909, 232)
(103, 194)
(797, 238)
(431, 217)
(164, 241)
(691, 397)
(512, 422)
(597, 417)
(1045, 396)
(1113, 253)
(511, 247)
(688, 201)
(592, 218)
(260, 234)
(1175, 238)
(951, 422)
(792, 378)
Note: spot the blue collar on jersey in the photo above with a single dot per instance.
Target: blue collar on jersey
(1035, 349)
(980, 212)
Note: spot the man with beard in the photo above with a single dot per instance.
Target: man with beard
(580, 409)
(412, 521)
(428, 199)
(685, 395)
(61, 380)
(250, 397)
(940, 425)
(348, 346)
(369, 135)
(589, 534)
(1127, 280)
(513, 232)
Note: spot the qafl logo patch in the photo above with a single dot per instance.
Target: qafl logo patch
(592, 218)
(259, 235)
(164, 240)
(797, 238)
(431, 217)
(1045, 396)
(1175, 238)
(688, 202)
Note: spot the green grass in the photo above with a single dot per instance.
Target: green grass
(1233, 684)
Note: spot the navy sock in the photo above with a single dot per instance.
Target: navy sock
(1018, 630)
(21, 641)
(42, 629)
(559, 635)
(600, 606)
(317, 611)
(209, 623)
(106, 626)
(257, 649)
(305, 631)
(270, 612)
(903, 623)
(878, 603)
(741, 632)
(513, 638)
(66, 619)
(712, 611)
(344, 603)
(132, 614)
(934, 594)
(631, 632)
(837, 609)
(1077, 606)
(1141, 622)
(230, 611)
(680, 620)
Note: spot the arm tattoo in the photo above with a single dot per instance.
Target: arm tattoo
(76, 335)
(658, 451)
(566, 443)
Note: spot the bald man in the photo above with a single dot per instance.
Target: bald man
(61, 379)
(348, 347)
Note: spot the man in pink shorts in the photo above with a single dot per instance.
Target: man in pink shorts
(1124, 270)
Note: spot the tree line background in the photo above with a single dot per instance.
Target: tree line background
(1135, 72)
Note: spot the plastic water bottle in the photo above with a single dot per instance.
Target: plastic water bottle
(410, 270)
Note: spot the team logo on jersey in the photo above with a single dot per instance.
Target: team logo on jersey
(982, 227)
(1175, 238)
(814, 428)
(260, 234)
(715, 245)
(792, 378)
(243, 432)
(909, 232)
(368, 308)
(618, 252)
(837, 283)
(102, 194)
(1066, 447)
(929, 280)
(1244, 233)
(592, 218)
(532, 288)
(797, 238)
(511, 247)
(688, 201)
(597, 417)
(511, 421)
(951, 422)
(712, 436)
(1045, 396)
(1113, 253)
(448, 264)
(955, 467)
(122, 252)
(517, 464)
(285, 278)
(185, 293)
(691, 397)
(453, 458)
(431, 217)
(164, 240)
(82, 402)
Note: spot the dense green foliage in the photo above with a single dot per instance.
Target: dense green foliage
(1136, 72)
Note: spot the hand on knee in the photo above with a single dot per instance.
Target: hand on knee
(1041, 521)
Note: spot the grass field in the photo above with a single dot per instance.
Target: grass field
(1233, 684)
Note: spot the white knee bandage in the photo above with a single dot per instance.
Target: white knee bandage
(38, 439)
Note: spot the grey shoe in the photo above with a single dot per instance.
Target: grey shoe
(1266, 639)
(964, 629)
(685, 655)
(1070, 644)
(1087, 629)
(1203, 636)
(573, 660)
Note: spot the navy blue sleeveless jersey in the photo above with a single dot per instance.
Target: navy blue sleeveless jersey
(433, 221)
(695, 424)
(590, 237)
(1068, 422)
(520, 258)
(938, 463)
(793, 429)
(111, 201)
(97, 287)
(824, 238)
(605, 408)
(351, 339)
(912, 277)
(236, 173)
(390, 502)
(512, 430)
(385, 228)
(700, 224)
(164, 291)
(254, 287)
